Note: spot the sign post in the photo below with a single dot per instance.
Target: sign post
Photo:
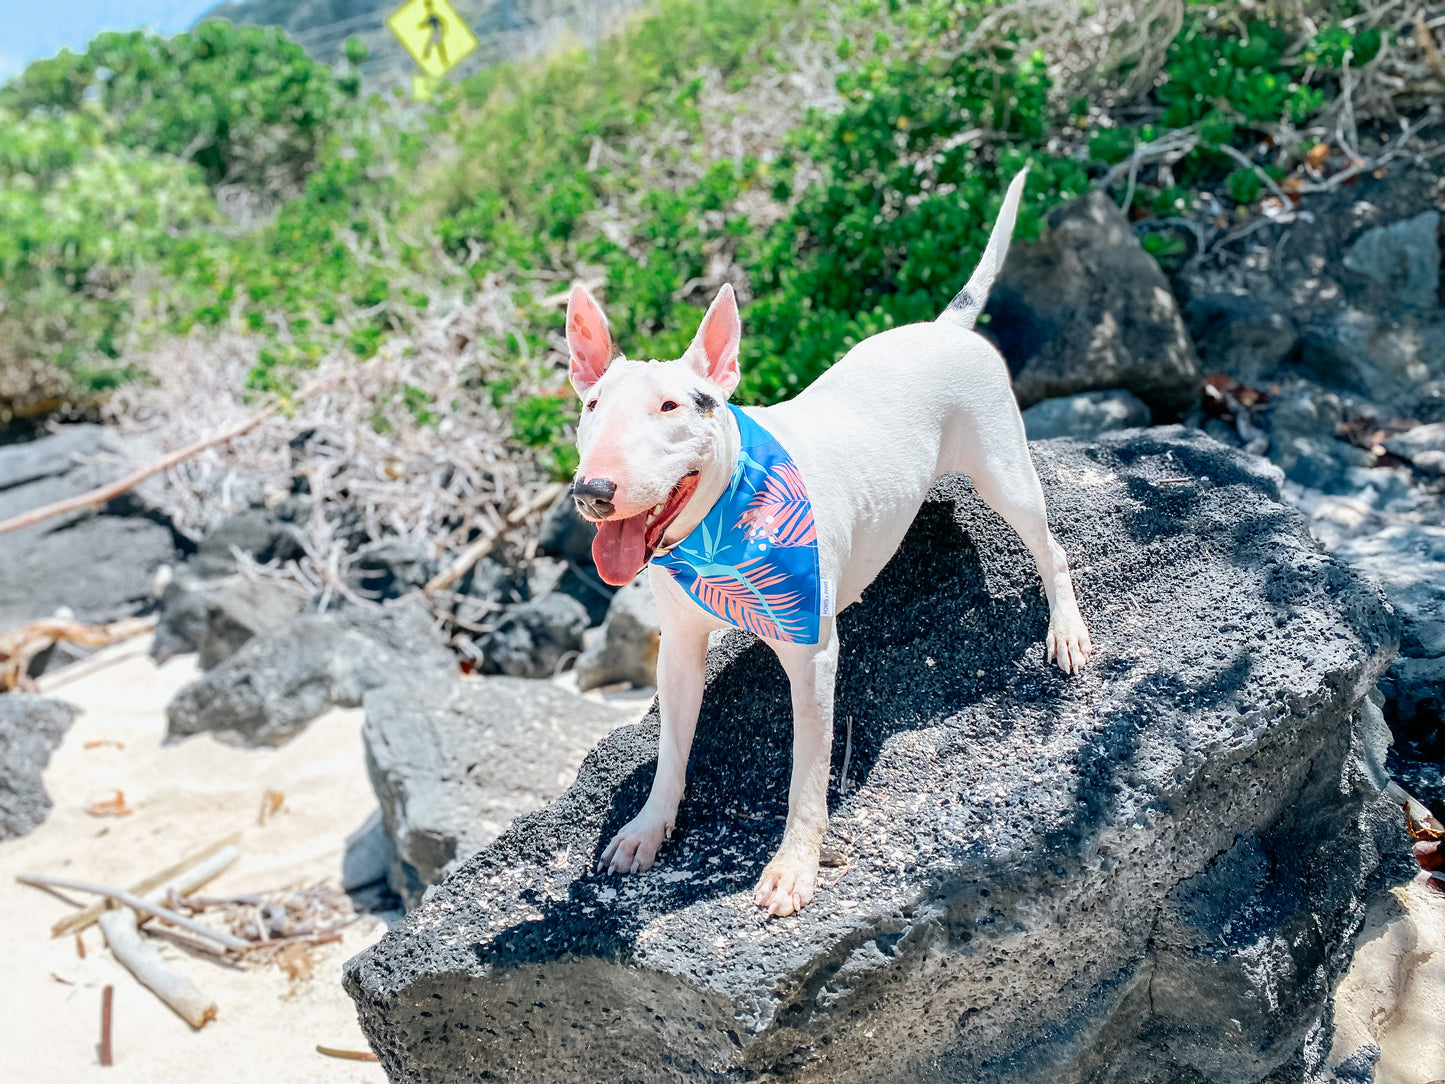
(435, 36)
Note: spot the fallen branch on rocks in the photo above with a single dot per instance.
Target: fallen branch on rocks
(97, 497)
(171, 874)
(462, 564)
(468, 558)
(142, 960)
(19, 648)
(1427, 45)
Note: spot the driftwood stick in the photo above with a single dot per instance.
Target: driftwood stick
(1426, 41)
(543, 497)
(106, 997)
(146, 964)
(18, 648)
(349, 1055)
(461, 565)
(141, 906)
(97, 497)
(82, 919)
(184, 884)
(463, 562)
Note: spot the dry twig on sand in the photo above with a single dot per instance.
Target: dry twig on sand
(107, 997)
(162, 880)
(141, 906)
(349, 1055)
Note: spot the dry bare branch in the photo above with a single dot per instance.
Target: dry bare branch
(82, 919)
(141, 906)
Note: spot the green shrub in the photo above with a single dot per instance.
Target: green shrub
(242, 102)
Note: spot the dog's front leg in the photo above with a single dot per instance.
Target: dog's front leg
(681, 665)
(789, 880)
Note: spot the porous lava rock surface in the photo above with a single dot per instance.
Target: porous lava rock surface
(1150, 872)
(453, 763)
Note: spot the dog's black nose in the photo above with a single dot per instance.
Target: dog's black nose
(594, 497)
(594, 489)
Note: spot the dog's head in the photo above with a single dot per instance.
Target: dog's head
(649, 429)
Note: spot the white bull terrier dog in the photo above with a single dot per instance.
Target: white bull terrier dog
(763, 518)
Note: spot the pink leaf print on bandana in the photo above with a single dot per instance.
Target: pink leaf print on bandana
(745, 602)
(781, 511)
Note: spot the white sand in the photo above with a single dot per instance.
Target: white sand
(1394, 992)
(184, 797)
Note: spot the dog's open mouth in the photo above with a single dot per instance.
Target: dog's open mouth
(624, 546)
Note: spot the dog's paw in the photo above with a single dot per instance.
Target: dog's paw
(1069, 644)
(634, 849)
(787, 883)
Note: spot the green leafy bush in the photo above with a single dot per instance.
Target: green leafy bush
(242, 102)
(87, 230)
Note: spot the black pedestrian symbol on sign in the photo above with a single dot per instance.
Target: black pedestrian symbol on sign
(438, 32)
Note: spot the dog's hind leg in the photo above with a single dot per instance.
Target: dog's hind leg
(789, 880)
(1004, 476)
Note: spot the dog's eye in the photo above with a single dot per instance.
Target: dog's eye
(591, 404)
(669, 405)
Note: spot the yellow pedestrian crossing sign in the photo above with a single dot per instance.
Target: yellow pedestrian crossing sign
(433, 34)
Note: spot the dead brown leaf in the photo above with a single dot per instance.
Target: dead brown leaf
(1421, 824)
(114, 806)
(104, 743)
(296, 961)
(271, 803)
(1430, 854)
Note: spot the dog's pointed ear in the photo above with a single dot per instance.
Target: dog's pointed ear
(714, 352)
(589, 341)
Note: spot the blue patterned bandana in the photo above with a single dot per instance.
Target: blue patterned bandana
(753, 560)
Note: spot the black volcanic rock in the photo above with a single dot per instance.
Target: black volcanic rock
(1148, 873)
(31, 729)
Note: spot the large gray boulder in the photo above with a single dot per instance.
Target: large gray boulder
(1402, 258)
(1085, 309)
(454, 763)
(625, 647)
(1147, 873)
(531, 638)
(1351, 302)
(30, 730)
(1237, 333)
(1385, 357)
(216, 618)
(266, 535)
(1086, 415)
(268, 691)
(100, 565)
(1409, 562)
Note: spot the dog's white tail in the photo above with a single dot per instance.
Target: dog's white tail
(963, 310)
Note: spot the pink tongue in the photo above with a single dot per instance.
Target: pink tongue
(620, 549)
